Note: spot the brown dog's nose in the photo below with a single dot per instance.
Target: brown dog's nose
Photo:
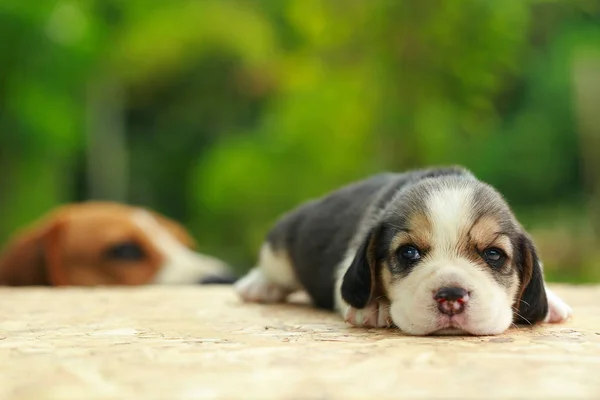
(451, 300)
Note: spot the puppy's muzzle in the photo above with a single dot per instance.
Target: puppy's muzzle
(451, 300)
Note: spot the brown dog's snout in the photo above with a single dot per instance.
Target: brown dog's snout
(451, 300)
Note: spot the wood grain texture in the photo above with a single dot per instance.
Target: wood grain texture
(201, 342)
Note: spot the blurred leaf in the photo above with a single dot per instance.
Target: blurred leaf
(237, 111)
(171, 33)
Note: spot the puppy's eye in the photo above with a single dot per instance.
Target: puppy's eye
(493, 256)
(127, 251)
(409, 254)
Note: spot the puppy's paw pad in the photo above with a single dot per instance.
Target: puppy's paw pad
(255, 287)
(558, 310)
(375, 315)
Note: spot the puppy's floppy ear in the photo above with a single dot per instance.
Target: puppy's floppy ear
(532, 302)
(33, 257)
(360, 283)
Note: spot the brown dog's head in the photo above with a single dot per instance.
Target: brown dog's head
(100, 243)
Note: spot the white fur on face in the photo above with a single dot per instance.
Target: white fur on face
(413, 308)
(181, 265)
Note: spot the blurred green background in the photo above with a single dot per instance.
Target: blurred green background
(224, 114)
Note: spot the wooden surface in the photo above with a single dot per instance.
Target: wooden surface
(192, 342)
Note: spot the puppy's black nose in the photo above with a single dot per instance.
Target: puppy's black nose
(451, 300)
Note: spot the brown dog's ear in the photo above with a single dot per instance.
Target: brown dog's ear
(360, 283)
(175, 229)
(33, 257)
(532, 302)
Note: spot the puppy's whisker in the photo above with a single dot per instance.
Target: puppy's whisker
(520, 316)
(524, 302)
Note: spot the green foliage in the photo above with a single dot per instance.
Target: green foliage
(236, 111)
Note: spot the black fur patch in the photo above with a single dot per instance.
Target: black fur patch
(533, 304)
(360, 281)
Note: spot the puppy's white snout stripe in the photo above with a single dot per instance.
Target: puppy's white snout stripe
(181, 265)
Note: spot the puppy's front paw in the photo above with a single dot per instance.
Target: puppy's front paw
(558, 310)
(375, 315)
(257, 288)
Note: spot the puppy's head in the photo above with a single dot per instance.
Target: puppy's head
(99, 243)
(450, 257)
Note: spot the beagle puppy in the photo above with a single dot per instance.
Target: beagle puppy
(103, 243)
(433, 251)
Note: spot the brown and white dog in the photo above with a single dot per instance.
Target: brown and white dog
(104, 243)
(432, 251)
